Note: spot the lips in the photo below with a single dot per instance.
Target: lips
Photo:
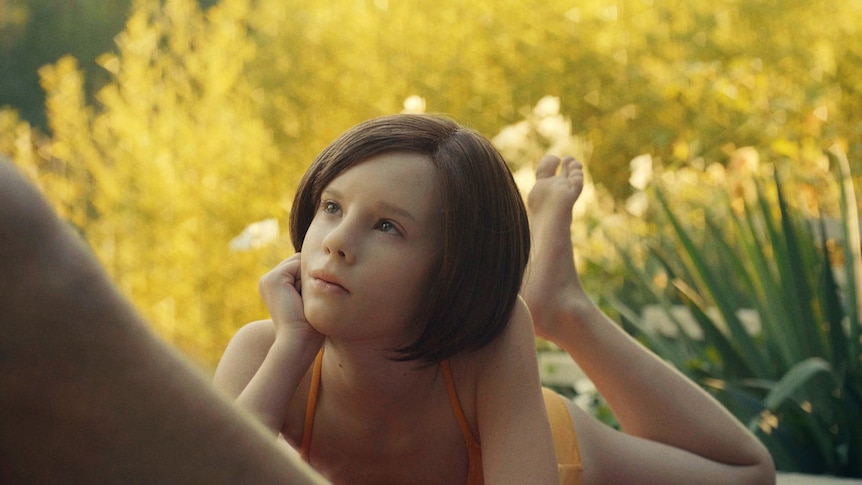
(327, 282)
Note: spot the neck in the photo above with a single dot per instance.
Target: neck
(373, 383)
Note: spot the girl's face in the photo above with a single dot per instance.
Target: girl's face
(371, 250)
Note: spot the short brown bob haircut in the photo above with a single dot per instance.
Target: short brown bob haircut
(486, 240)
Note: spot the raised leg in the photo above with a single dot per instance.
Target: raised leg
(551, 286)
(674, 431)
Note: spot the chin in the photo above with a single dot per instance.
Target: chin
(322, 321)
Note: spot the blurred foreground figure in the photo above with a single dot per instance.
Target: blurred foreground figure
(87, 393)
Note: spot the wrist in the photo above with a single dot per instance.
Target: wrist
(298, 340)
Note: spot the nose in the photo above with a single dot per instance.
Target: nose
(339, 242)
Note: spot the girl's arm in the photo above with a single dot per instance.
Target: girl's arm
(517, 446)
(265, 361)
(674, 432)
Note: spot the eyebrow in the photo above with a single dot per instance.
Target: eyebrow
(385, 206)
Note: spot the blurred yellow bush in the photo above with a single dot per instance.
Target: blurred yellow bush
(210, 117)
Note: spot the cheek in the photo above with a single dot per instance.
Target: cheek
(311, 235)
(302, 272)
(411, 287)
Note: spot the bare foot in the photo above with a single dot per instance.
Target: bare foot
(551, 286)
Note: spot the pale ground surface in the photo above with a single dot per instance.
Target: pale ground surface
(557, 368)
(797, 479)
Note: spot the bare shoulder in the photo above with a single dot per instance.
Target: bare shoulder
(509, 403)
(488, 363)
(258, 333)
(517, 339)
(243, 356)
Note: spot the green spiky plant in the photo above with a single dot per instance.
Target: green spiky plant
(797, 382)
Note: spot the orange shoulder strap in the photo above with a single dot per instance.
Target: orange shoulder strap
(456, 404)
(474, 449)
(311, 406)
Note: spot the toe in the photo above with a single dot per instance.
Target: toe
(547, 166)
(575, 175)
(567, 166)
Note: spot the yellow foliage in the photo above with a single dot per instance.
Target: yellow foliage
(210, 118)
(173, 164)
(18, 141)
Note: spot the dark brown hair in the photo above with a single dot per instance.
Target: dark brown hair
(486, 239)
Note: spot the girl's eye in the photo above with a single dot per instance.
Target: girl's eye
(329, 207)
(386, 226)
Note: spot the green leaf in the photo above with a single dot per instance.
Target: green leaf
(796, 380)
(766, 290)
(659, 346)
(792, 324)
(721, 294)
(643, 279)
(833, 312)
(677, 355)
(793, 269)
(852, 254)
(734, 362)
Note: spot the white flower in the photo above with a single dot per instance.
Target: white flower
(750, 319)
(414, 105)
(554, 128)
(585, 386)
(512, 137)
(641, 167)
(637, 204)
(525, 178)
(744, 161)
(547, 106)
(821, 113)
(586, 394)
(256, 235)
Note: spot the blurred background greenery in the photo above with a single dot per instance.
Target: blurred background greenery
(171, 135)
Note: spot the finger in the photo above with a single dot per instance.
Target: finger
(294, 257)
(288, 265)
(286, 272)
(290, 271)
(297, 273)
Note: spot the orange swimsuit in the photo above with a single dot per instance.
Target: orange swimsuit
(565, 439)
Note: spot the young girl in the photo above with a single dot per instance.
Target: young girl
(399, 350)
